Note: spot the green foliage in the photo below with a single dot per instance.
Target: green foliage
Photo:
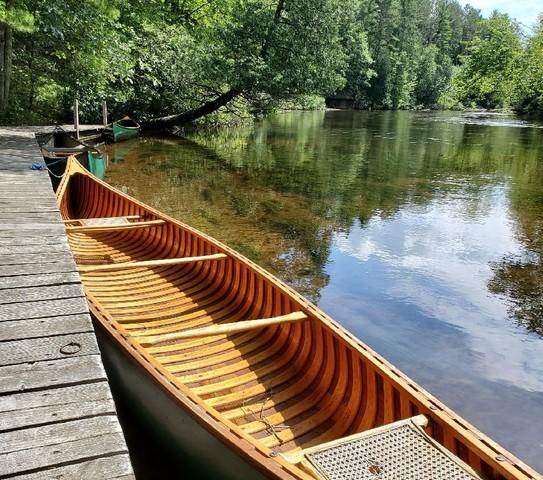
(282, 49)
(152, 58)
(529, 97)
(17, 17)
(432, 76)
(303, 102)
(408, 50)
(158, 57)
(488, 75)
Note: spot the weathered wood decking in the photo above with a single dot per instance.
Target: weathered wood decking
(57, 416)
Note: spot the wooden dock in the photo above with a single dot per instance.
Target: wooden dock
(57, 416)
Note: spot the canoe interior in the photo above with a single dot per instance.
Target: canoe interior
(127, 122)
(280, 388)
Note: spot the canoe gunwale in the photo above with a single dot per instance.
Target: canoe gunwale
(266, 459)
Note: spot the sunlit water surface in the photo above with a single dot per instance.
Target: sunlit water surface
(422, 233)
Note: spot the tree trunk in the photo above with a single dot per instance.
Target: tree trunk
(221, 100)
(2, 66)
(31, 94)
(8, 54)
(191, 115)
(6, 50)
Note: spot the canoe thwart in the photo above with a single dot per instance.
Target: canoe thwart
(224, 328)
(103, 220)
(149, 263)
(383, 452)
(116, 226)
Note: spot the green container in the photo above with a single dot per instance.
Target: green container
(97, 164)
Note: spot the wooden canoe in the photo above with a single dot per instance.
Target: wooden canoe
(258, 368)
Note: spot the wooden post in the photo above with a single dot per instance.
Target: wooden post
(104, 113)
(76, 118)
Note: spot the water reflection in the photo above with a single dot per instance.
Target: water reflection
(421, 233)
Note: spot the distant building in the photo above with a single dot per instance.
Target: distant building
(343, 100)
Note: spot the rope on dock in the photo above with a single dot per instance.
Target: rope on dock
(44, 166)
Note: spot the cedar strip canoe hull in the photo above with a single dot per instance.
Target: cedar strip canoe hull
(260, 393)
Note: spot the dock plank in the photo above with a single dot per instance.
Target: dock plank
(20, 240)
(50, 373)
(56, 434)
(45, 327)
(36, 280)
(68, 451)
(46, 348)
(50, 406)
(29, 269)
(33, 294)
(110, 468)
(44, 308)
(33, 258)
(54, 396)
(29, 248)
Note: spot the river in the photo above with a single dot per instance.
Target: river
(422, 233)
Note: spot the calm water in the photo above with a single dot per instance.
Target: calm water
(420, 232)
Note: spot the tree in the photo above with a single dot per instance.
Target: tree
(281, 50)
(488, 72)
(12, 17)
(530, 75)
(354, 42)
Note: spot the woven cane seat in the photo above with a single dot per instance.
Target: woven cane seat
(399, 451)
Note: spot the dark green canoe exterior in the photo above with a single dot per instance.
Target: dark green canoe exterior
(124, 133)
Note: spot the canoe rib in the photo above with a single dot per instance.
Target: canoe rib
(149, 263)
(224, 329)
(262, 391)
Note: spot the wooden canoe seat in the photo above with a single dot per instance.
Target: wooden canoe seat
(397, 450)
(149, 263)
(104, 227)
(225, 328)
